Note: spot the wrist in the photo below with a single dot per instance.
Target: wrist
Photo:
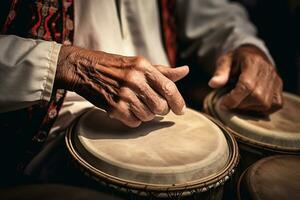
(66, 66)
(255, 50)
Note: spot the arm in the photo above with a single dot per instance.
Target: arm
(130, 89)
(221, 30)
(27, 71)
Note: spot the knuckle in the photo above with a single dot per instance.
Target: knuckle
(160, 107)
(124, 92)
(140, 61)
(169, 89)
(247, 85)
(134, 78)
(258, 96)
(262, 99)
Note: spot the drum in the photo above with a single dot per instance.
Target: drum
(274, 177)
(258, 136)
(171, 157)
(52, 192)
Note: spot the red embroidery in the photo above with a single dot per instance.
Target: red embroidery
(169, 29)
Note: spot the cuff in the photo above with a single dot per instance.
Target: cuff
(50, 76)
(238, 39)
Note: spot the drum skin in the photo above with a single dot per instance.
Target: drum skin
(260, 136)
(52, 192)
(169, 157)
(274, 177)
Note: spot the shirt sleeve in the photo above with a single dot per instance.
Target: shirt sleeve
(27, 71)
(213, 27)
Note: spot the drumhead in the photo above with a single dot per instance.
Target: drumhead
(280, 130)
(275, 177)
(167, 151)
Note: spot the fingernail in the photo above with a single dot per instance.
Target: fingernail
(184, 66)
(211, 82)
(215, 81)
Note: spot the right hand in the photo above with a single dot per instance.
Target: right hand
(130, 89)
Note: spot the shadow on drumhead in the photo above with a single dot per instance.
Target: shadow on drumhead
(98, 125)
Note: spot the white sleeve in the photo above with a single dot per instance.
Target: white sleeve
(214, 27)
(27, 71)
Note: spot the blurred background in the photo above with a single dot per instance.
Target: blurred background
(278, 24)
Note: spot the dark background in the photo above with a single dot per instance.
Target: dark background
(278, 24)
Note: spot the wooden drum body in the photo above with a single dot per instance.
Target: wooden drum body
(279, 133)
(274, 177)
(168, 157)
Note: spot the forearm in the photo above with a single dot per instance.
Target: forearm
(27, 71)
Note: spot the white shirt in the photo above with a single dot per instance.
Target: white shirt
(27, 66)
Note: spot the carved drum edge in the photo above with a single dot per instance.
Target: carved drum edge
(155, 189)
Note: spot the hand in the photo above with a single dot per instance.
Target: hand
(130, 88)
(258, 87)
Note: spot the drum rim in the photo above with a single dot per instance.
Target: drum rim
(208, 108)
(194, 186)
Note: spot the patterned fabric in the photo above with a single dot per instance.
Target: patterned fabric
(169, 29)
(50, 20)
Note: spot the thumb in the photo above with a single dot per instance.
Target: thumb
(222, 72)
(174, 74)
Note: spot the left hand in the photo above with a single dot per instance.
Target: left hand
(258, 87)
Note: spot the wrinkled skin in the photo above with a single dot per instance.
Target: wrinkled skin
(258, 87)
(130, 89)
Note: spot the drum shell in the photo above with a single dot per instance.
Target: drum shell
(250, 150)
(212, 189)
(284, 175)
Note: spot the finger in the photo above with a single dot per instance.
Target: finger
(245, 85)
(167, 89)
(261, 98)
(277, 96)
(236, 96)
(121, 112)
(222, 72)
(139, 109)
(174, 74)
(155, 103)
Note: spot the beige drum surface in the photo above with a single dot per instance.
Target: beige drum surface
(280, 129)
(168, 150)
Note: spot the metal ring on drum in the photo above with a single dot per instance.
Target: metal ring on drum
(257, 136)
(168, 157)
